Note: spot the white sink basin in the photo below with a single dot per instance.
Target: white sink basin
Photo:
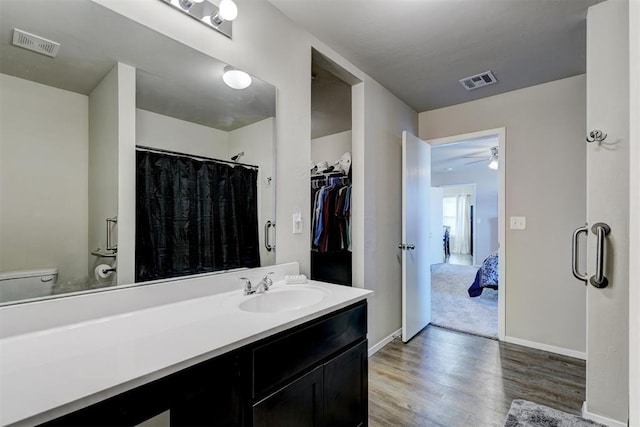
(283, 299)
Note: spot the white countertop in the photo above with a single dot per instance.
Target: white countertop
(51, 372)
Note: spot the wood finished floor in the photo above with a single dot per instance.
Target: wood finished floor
(447, 378)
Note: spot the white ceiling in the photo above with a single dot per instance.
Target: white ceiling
(464, 156)
(419, 49)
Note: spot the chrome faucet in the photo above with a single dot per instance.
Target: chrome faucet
(261, 287)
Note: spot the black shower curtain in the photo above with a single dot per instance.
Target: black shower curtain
(193, 216)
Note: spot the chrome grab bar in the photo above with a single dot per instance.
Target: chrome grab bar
(267, 241)
(574, 254)
(601, 230)
(110, 223)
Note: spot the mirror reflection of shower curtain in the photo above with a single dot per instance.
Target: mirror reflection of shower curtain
(462, 237)
(193, 216)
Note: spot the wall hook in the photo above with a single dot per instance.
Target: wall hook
(596, 136)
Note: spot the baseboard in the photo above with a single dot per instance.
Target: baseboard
(600, 419)
(545, 347)
(374, 349)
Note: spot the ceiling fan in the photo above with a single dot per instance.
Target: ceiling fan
(492, 159)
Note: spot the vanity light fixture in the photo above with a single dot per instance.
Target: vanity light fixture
(236, 79)
(187, 4)
(216, 16)
(227, 11)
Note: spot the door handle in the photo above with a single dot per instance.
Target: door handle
(406, 247)
(574, 254)
(601, 230)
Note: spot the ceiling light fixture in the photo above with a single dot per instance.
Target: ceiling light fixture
(493, 161)
(219, 17)
(236, 79)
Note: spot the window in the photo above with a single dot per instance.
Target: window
(449, 214)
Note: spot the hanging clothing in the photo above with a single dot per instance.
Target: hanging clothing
(331, 203)
(193, 216)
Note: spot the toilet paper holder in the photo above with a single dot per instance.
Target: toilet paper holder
(104, 271)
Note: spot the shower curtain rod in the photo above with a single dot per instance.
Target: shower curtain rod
(193, 156)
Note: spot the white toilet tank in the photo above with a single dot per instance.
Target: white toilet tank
(23, 284)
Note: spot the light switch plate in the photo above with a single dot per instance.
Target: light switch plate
(518, 223)
(297, 223)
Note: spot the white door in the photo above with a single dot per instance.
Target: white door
(436, 254)
(608, 203)
(416, 226)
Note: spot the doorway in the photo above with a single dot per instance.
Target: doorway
(467, 174)
(331, 171)
(458, 231)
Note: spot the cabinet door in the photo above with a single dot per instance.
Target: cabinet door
(297, 404)
(208, 394)
(345, 388)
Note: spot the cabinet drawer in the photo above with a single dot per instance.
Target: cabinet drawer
(280, 359)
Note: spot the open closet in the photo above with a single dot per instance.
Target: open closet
(330, 169)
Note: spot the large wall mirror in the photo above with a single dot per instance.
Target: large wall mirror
(62, 175)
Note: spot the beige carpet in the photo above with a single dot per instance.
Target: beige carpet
(453, 308)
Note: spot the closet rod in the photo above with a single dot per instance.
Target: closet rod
(192, 156)
(334, 175)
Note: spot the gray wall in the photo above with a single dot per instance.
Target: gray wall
(545, 181)
(386, 117)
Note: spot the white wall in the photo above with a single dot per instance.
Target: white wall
(331, 147)
(167, 133)
(269, 45)
(545, 181)
(256, 140)
(126, 229)
(634, 232)
(43, 220)
(485, 209)
(607, 388)
(103, 169)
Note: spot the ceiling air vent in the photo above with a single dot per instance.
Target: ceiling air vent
(35, 43)
(479, 80)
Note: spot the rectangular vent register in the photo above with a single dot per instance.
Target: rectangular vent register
(479, 80)
(35, 43)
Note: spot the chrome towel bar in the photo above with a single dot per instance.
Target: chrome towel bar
(574, 254)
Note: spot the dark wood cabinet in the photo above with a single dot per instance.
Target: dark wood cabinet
(346, 388)
(333, 394)
(314, 374)
(299, 404)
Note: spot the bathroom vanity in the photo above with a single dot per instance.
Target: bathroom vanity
(211, 360)
(312, 375)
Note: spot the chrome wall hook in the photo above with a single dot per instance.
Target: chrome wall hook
(596, 136)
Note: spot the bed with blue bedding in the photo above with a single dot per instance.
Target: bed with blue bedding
(486, 277)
